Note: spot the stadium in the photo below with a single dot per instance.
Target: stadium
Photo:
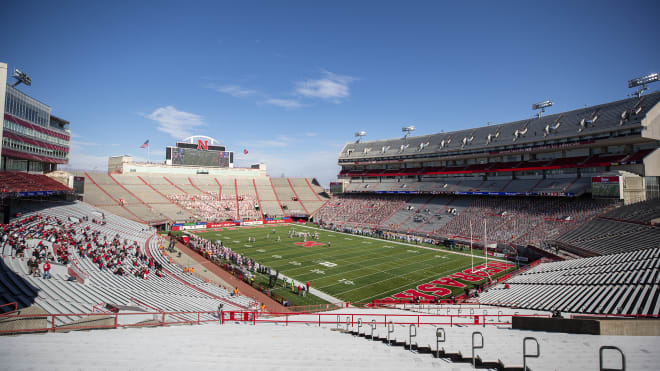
(531, 244)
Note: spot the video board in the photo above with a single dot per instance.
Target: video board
(605, 187)
(197, 157)
(336, 187)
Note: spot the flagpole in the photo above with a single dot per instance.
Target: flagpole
(471, 254)
(485, 242)
(148, 152)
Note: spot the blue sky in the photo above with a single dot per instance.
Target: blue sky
(292, 81)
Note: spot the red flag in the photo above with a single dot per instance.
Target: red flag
(245, 151)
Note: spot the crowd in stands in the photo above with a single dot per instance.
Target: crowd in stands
(60, 238)
(519, 220)
(523, 220)
(354, 210)
(208, 207)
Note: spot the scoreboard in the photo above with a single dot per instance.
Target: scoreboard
(336, 187)
(605, 187)
(199, 157)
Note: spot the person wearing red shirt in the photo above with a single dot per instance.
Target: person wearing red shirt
(46, 270)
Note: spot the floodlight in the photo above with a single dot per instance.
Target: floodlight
(21, 77)
(542, 106)
(407, 130)
(359, 135)
(641, 81)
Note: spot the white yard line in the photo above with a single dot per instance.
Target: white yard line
(406, 244)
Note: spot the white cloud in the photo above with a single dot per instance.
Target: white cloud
(79, 143)
(115, 144)
(311, 134)
(178, 124)
(321, 165)
(79, 159)
(280, 141)
(233, 90)
(284, 103)
(331, 87)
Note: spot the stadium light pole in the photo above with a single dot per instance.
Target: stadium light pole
(485, 242)
(642, 81)
(359, 135)
(471, 253)
(541, 106)
(407, 130)
(21, 77)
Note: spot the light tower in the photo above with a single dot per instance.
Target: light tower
(642, 81)
(359, 135)
(407, 130)
(21, 77)
(541, 106)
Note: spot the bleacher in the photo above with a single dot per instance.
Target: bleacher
(508, 219)
(625, 283)
(343, 338)
(15, 182)
(535, 186)
(174, 291)
(150, 198)
(502, 346)
(623, 229)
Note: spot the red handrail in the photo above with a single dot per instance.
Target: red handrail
(100, 307)
(15, 304)
(475, 319)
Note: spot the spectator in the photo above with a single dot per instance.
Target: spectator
(46, 270)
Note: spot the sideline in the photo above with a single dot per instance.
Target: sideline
(329, 298)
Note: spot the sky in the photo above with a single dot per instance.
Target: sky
(292, 81)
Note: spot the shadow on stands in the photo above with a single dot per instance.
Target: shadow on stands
(13, 288)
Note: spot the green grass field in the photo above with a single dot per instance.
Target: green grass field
(352, 268)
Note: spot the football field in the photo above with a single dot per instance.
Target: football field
(349, 267)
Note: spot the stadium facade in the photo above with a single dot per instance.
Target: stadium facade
(33, 140)
(609, 150)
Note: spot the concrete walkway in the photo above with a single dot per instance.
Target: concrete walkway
(207, 269)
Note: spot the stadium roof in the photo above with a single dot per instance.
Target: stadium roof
(618, 116)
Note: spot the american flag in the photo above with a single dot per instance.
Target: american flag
(146, 144)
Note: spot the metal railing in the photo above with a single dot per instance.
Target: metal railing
(524, 353)
(600, 358)
(105, 320)
(165, 318)
(475, 347)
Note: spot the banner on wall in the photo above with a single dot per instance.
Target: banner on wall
(208, 225)
(277, 221)
(220, 224)
(188, 226)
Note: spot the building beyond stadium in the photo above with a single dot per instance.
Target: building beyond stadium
(608, 150)
(33, 140)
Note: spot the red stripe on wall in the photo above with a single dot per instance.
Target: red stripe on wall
(38, 143)
(41, 129)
